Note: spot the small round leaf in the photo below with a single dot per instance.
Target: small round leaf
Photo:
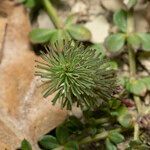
(115, 42)
(62, 134)
(72, 145)
(124, 118)
(145, 40)
(120, 19)
(134, 41)
(116, 137)
(146, 81)
(25, 145)
(136, 87)
(109, 145)
(79, 32)
(40, 35)
(49, 142)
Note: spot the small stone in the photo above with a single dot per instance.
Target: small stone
(112, 5)
(99, 27)
(95, 7)
(142, 25)
(147, 100)
(145, 61)
(80, 8)
(125, 1)
(76, 111)
(44, 21)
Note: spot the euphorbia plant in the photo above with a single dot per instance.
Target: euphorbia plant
(77, 75)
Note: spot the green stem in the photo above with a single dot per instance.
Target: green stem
(52, 13)
(131, 52)
(98, 137)
(132, 62)
(136, 131)
(130, 22)
(102, 120)
(132, 66)
(138, 103)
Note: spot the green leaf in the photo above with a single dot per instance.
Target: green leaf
(74, 124)
(25, 145)
(124, 118)
(122, 110)
(72, 145)
(40, 35)
(134, 41)
(49, 142)
(123, 80)
(116, 137)
(146, 81)
(136, 87)
(120, 19)
(79, 32)
(131, 3)
(30, 3)
(62, 134)
(109, 145)
(115, 42)
(145, 40)
(114, 103)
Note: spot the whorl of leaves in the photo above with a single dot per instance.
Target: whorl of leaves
(77, 75)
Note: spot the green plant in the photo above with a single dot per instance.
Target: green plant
(77, 75)
(97, 125)
(25, 145)
(67, 30)
(126, 39)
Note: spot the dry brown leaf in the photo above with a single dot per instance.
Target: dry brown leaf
(23, 111)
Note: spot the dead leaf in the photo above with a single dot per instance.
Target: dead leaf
(23, 111)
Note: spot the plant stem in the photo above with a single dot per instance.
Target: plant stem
(130, 22)
(102, 120)
(52, 13)
(138, 103)
(139, 109)
(132, 62)
(132, 66)
(136, 131)
(131, 52)
(98, 137)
